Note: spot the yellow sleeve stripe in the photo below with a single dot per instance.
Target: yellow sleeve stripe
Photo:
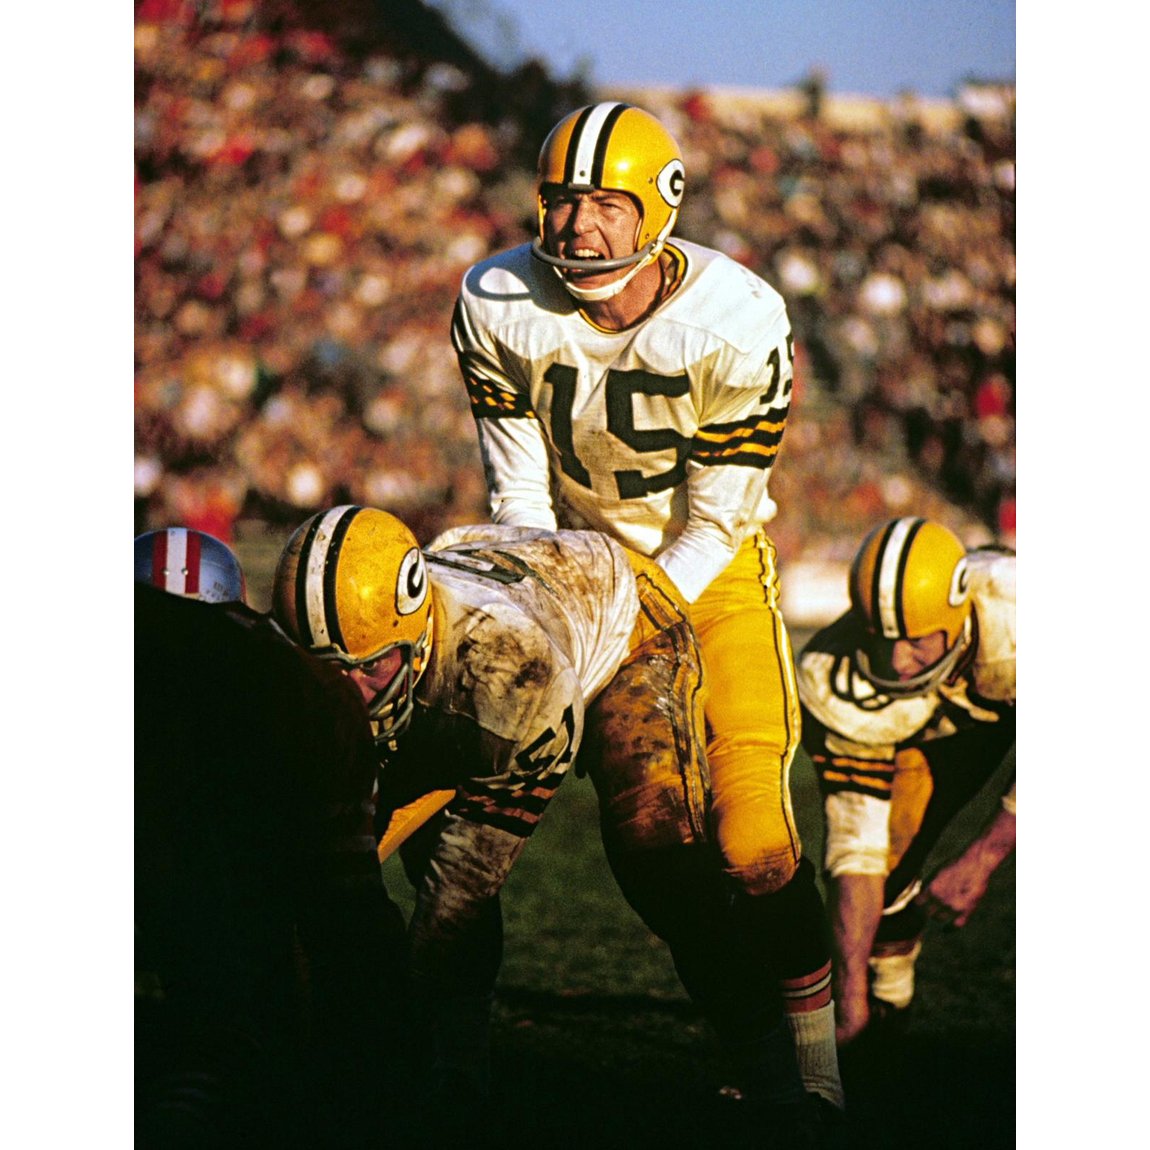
(840, 780)
(490, 400)
(751, 442)
(729, 433)
(860, 775)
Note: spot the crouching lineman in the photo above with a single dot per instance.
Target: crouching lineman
(908, 709)
(486, 661)
(254, 769)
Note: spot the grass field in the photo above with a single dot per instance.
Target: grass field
(596, 1045)
(601, 1047)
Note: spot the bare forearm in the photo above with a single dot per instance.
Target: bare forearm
(957, 889)
(856, 907)
(994, 845)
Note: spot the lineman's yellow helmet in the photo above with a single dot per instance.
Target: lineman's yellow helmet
(616, 147)
(910, 579)
(352, 586)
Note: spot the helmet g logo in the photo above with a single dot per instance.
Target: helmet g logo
(411, 585)
(669, 181)
(959, 590)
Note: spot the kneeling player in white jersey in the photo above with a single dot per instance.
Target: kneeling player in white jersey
(490, 660)
(638, 384)
(908, 709)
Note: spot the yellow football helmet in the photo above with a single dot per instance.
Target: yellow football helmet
(910, 579)
(614, 147)
(352, 586)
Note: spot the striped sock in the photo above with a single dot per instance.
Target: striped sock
(810, 1016)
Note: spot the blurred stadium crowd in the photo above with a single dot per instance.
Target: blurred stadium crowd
(309, 190)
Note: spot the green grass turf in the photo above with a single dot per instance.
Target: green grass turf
(595, 1042)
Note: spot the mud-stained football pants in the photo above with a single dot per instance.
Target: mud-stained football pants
(659, 785)
(702, 843)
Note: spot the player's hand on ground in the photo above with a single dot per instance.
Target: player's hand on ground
(953, 893)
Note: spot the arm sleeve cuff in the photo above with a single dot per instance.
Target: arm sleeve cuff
(693, 560)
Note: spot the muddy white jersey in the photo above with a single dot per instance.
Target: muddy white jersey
(529, 627)
(861, 720)
(662, 435)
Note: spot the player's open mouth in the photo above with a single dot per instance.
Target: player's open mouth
(584, 254)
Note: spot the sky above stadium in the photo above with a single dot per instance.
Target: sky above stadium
(866, 47)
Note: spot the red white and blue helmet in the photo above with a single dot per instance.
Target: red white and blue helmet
(190, 563)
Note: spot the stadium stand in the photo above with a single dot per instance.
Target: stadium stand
(312, 181)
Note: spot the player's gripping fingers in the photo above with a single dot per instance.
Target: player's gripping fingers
(939, 911)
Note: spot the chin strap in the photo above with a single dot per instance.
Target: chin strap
(607, 291)
(635, 262)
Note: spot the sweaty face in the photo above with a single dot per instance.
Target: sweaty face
(589, 226)
(374, 677)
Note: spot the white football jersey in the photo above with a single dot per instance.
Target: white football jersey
(662, 435)
(863, 721)
(529, 628)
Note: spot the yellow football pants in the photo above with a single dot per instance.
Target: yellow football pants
(657, 786)
(753, 719)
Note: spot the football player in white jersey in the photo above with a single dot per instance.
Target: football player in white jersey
(479, 658)
(639, 385)
(908, 709)
(490, 660)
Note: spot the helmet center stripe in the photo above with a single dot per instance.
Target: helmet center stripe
(600, 160)
(587, 152)
(160, 559)
(892, 576)
(331, 565)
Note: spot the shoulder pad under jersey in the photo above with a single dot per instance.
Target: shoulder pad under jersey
(992, 590)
